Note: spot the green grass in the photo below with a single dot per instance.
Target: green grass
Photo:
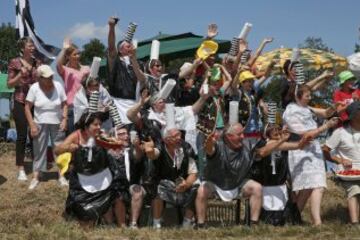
(38, 215)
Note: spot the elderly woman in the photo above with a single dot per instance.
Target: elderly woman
(73, 74)
(307, 168)
(50, 115)
(21, 75)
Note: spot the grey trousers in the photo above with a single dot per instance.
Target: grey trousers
(40, 144)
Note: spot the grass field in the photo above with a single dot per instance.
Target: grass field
(37, 214)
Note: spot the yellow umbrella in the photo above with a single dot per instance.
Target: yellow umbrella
(312, 59)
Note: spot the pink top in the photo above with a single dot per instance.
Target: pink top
(72, 80)
(22, 88)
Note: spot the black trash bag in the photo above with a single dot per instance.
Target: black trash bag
(87, 206)
(166, 191)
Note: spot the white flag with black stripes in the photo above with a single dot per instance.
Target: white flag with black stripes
(25, 27)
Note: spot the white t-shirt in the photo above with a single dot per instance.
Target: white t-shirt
(47, 109)
(345, 142)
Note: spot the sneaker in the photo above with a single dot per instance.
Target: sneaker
(156, 225)
(34, 182)
(133, 226)
(63, 182)
(22, 176)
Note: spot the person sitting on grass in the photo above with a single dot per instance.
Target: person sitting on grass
(345, 142)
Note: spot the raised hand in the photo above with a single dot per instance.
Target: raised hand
(212, 30)
(243, 45)
(66, 43)
(268, 40)
(113, 20)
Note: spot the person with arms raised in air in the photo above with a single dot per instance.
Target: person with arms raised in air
(124, 75)
(73, 74)
(307, 166)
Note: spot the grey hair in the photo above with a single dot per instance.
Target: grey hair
(229, 129)
(165, 132)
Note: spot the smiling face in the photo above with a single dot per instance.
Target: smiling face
(173, 138)
(29, 49)
(123, 135)
(94, 128)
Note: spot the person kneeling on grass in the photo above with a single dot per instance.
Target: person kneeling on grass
(345, 141)
(91, 192)
(175, 172)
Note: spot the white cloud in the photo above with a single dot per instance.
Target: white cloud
(86, 31)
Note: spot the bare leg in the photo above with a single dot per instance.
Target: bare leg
(108, 216)
(136, 205)
(158, 206)
(353, 206)
(120, 212)
(302, 197)
(315, 202)
(253, 190)
(203, 194)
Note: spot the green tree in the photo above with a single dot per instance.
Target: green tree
(8, 46)
(357, 48)
(315, 43)
(95, 48)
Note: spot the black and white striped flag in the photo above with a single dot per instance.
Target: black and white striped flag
(25, 27)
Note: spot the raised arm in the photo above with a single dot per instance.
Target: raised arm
(138, 73)
(317, 83)
(259, 50)
(60, 60)
(112, 52)
(133, 113)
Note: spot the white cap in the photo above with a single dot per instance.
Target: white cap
(45, 71)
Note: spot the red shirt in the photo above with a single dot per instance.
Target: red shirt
(345, 98)
(22, 88)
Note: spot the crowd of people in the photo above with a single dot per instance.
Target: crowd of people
(128, 145)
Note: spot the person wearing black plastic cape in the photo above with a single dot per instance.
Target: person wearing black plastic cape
(175, 172)
(227, 172)
(90, 193)
(124, 166)
(272, 172)
(123, 72)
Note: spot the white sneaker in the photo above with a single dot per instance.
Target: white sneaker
(63, 182)
(22, 176)
(133, 226)
(156, 225)
(34, 182)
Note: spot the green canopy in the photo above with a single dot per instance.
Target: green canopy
(3, 85)
(175, 46)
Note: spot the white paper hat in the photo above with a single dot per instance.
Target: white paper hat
(233, 112)
(155, 50)
(245, 30)
(234, 49)
(167, 88)
(94, 70)
(94, 101)
(295, 55)
(130, 32)
(170, 116)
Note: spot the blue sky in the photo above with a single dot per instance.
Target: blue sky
(288, 21)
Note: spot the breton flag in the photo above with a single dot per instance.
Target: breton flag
(25, 27)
